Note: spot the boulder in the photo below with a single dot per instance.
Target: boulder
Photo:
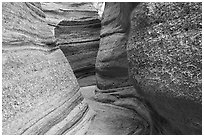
(40, 94)
(165, 60)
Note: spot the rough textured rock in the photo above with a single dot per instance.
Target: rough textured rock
(165, 58)
(77, 29)
(99, 7)
(168, 107)
(40, 94)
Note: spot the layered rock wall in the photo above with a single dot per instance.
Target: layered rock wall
(114, 90)
(40, 94)
(58, 11)
(148, 68)
(77, 30)
(79, 41)
(111, 63)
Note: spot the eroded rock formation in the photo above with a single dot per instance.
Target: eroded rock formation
(148, 68)
(114, 90)
(164, 54)
(40, 94)
(77, 30)
(111, 63)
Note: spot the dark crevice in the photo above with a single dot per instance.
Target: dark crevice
(58, 44)
(96, 25)
(79, 23)
(112, 33)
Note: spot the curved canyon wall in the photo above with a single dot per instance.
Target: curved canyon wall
(114, 89)
(40, 94)
(76, 27)
(146, 56)
(112, 54)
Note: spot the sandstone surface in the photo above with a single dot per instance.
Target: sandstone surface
(77, 30)
(40, 94)
(148, 68)
(111, 63)
(114, 90)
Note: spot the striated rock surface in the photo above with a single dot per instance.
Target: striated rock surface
(160, 55)
(119, 107)
(59, 11)
(111, 63)
(116, 113)
(165, 59)
(40, 94)
(77, 29)
(79, 40)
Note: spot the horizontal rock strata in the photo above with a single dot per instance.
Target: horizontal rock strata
(58, 11)
(164, 52)
(79, 40)
(111, 63)
(77, 28)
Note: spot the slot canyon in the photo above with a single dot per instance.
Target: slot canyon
(101, 68)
